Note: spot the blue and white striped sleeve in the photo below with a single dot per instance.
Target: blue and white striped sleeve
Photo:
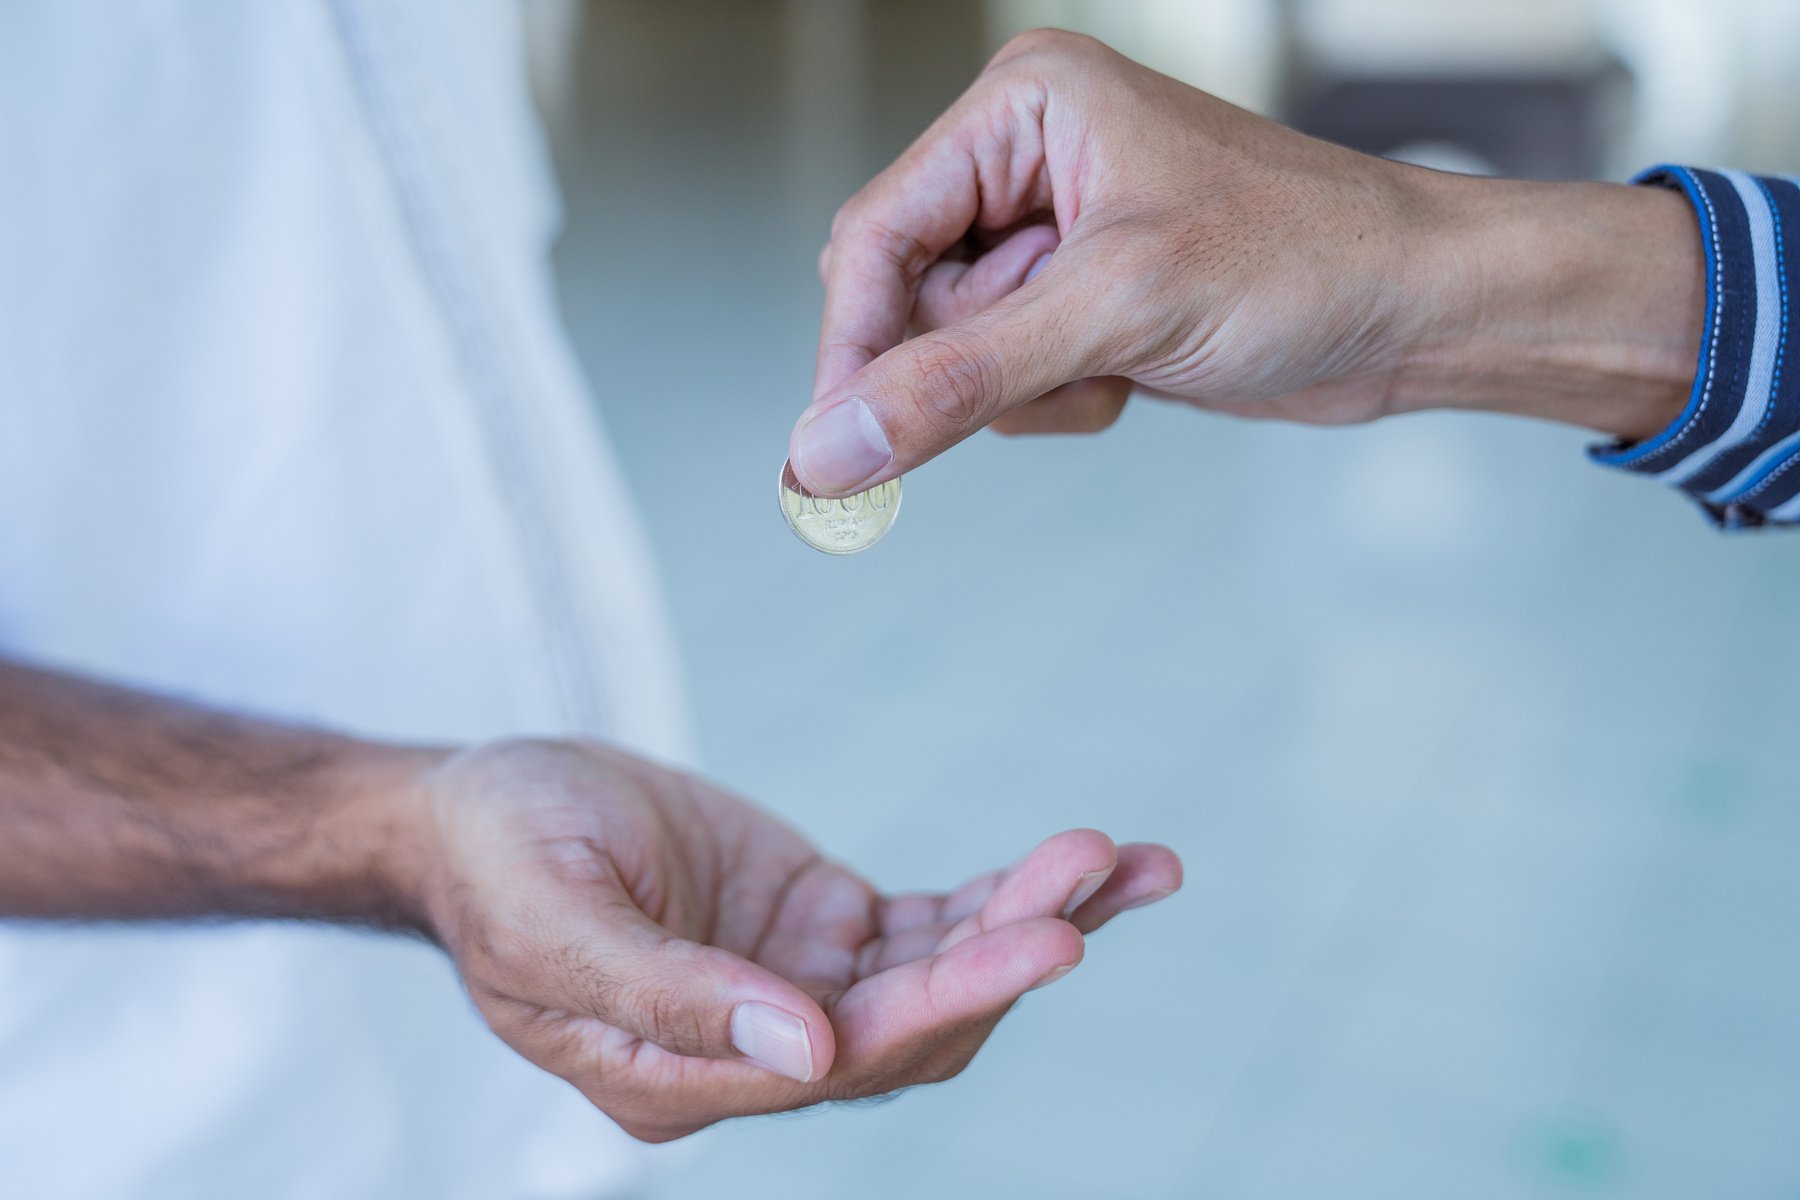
(1735, 448)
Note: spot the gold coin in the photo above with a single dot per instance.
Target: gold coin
(843, 526)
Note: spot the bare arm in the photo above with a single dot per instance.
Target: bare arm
(674, 952)
(119, 804)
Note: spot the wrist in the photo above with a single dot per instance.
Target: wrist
(370, 855)
(1574, 302)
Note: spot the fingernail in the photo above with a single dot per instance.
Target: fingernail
(1043, 260)
(1085, 886)
(1053, 976)
(1149, 898)
(771, 1038)
(841, 447)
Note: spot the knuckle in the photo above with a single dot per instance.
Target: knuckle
(1046, 42)
(847, 215)
(647, 1005)
(1031, 41)
(900, 249)
(662, 1017)
(955, 382)
(857, 226)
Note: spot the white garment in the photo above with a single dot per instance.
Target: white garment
(287, 423)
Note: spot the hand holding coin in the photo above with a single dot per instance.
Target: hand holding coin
(1077, 224)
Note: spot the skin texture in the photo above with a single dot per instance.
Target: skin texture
(1077, 225)
(709, 902)
(611, 919)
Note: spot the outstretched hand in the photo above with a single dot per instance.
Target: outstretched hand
(682, 957)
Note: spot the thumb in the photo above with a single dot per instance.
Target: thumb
(925, 395)
(606, 959)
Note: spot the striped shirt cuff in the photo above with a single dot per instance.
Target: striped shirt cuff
(1735, 448)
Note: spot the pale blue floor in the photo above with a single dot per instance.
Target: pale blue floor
(1474, 751)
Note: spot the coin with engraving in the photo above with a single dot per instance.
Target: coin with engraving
(840, 526)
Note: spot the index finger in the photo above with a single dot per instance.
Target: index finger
(961, 174)
(882, 241)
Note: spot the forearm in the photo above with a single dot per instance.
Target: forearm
(1575, 302)
(115, 804)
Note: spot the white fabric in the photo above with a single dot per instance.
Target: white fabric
(287, 422)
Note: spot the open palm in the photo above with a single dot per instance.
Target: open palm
(682, 957)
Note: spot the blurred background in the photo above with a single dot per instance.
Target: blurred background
(1474, 751)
